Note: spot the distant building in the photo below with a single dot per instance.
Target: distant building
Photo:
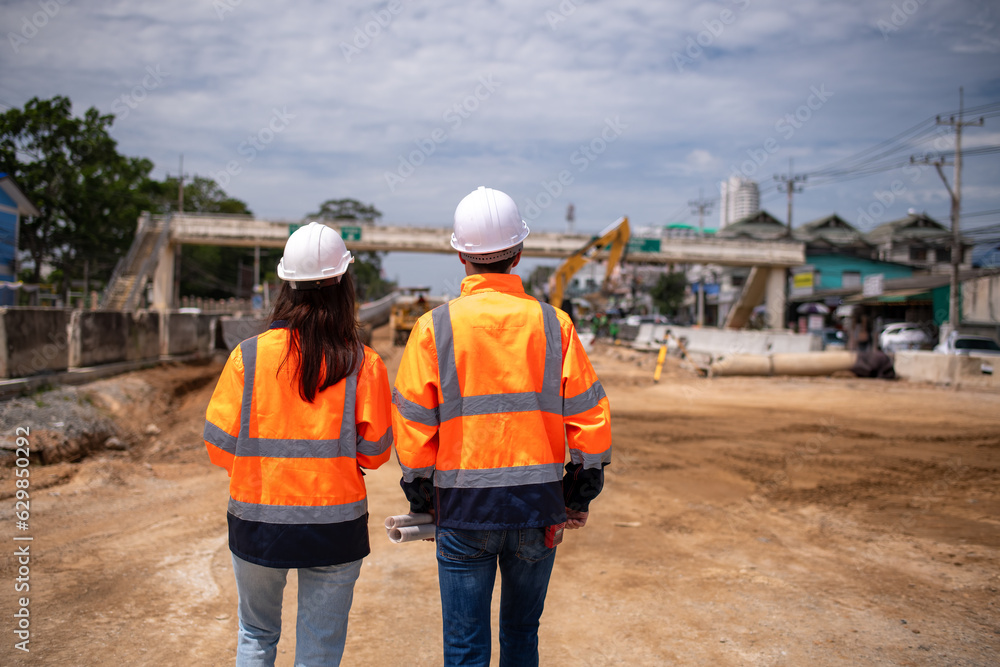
(759, 226)
(839, 258)
(919, 241)
(833, 235)
(13, 204)
(739, 199)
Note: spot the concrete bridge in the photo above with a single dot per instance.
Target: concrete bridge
(158, 237)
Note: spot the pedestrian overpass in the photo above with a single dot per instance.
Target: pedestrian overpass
(154, 252)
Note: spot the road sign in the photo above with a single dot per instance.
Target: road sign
(350, 233)
(803, 281)
(873, 285)
(643, 245)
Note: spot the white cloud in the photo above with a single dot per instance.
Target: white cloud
(557, 86)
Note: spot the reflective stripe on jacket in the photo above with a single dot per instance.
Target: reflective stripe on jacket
(297, 494)
(491, 387)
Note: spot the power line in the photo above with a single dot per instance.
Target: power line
(980, 213)
(928, 158)
(869, 160)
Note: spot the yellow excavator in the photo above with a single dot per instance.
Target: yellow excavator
(614, 237)
(411, 303)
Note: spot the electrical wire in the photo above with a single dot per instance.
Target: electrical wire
(981, 213)
(887, 154)
(893, 153)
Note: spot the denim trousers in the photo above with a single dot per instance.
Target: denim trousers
(467, 567)
(324, 602)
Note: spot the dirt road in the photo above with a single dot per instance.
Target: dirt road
(744, 522)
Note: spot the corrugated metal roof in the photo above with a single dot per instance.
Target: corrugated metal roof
(892, 296)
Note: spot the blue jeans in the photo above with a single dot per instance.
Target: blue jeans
(467, 568)
(325, 597)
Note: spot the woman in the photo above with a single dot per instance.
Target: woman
(298, 411)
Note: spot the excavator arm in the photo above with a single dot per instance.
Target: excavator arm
(615, 235)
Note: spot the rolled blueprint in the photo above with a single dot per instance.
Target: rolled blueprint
(402, 520)
(411, 533)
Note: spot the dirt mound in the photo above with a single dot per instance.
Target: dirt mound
(134, 416)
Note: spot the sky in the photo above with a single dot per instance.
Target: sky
(621, 108)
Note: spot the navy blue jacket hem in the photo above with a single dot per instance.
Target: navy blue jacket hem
(298, 545)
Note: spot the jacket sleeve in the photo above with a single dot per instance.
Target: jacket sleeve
(222, 419)
(415, 415)
(373, 413)
(587, 420)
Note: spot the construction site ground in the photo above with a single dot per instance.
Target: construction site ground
(744, 521)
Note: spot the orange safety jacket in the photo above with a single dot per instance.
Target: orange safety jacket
(297, 493)
(490, 389)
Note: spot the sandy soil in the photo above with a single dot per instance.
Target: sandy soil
(744, 521)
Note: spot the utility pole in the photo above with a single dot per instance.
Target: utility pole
(256, 267)
(177, 250)
(702, 206)
(956, 205)
(789, 185)
(570, 217)
(180, 185)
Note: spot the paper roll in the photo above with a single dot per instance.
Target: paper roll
(403, 520)
(411, 533)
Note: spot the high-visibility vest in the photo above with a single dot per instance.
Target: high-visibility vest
(490, 389)
(297, 493)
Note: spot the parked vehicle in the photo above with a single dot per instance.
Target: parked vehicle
(904, 336)
(965, 344)
(833, 339)
(636, 320)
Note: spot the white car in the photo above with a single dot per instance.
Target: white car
(903, 336)
(965, 344)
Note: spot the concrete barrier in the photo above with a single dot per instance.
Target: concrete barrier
(33, 341)
(187, 333)
(205, 326)
(143, 336)
(628, 332)
(235, 330)
(376, 313)
(948, 369)
(97, 337)
(726, 342)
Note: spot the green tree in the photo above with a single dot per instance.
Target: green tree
(209, 271)
(345, 209)
(368, 280)
(201, 195)
(668, 292)
(89, 195)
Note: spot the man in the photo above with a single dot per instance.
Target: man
(490, 388)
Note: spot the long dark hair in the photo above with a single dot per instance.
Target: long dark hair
(323, 333)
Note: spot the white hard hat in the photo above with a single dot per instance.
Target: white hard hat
(488, 226)
(315, 256)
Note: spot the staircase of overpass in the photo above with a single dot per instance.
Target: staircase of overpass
(133, 271)
(152, 252)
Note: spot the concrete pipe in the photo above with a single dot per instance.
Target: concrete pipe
(806, 363)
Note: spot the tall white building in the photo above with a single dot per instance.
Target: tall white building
(740, 198)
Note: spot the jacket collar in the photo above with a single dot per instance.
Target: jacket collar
(492, 282)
